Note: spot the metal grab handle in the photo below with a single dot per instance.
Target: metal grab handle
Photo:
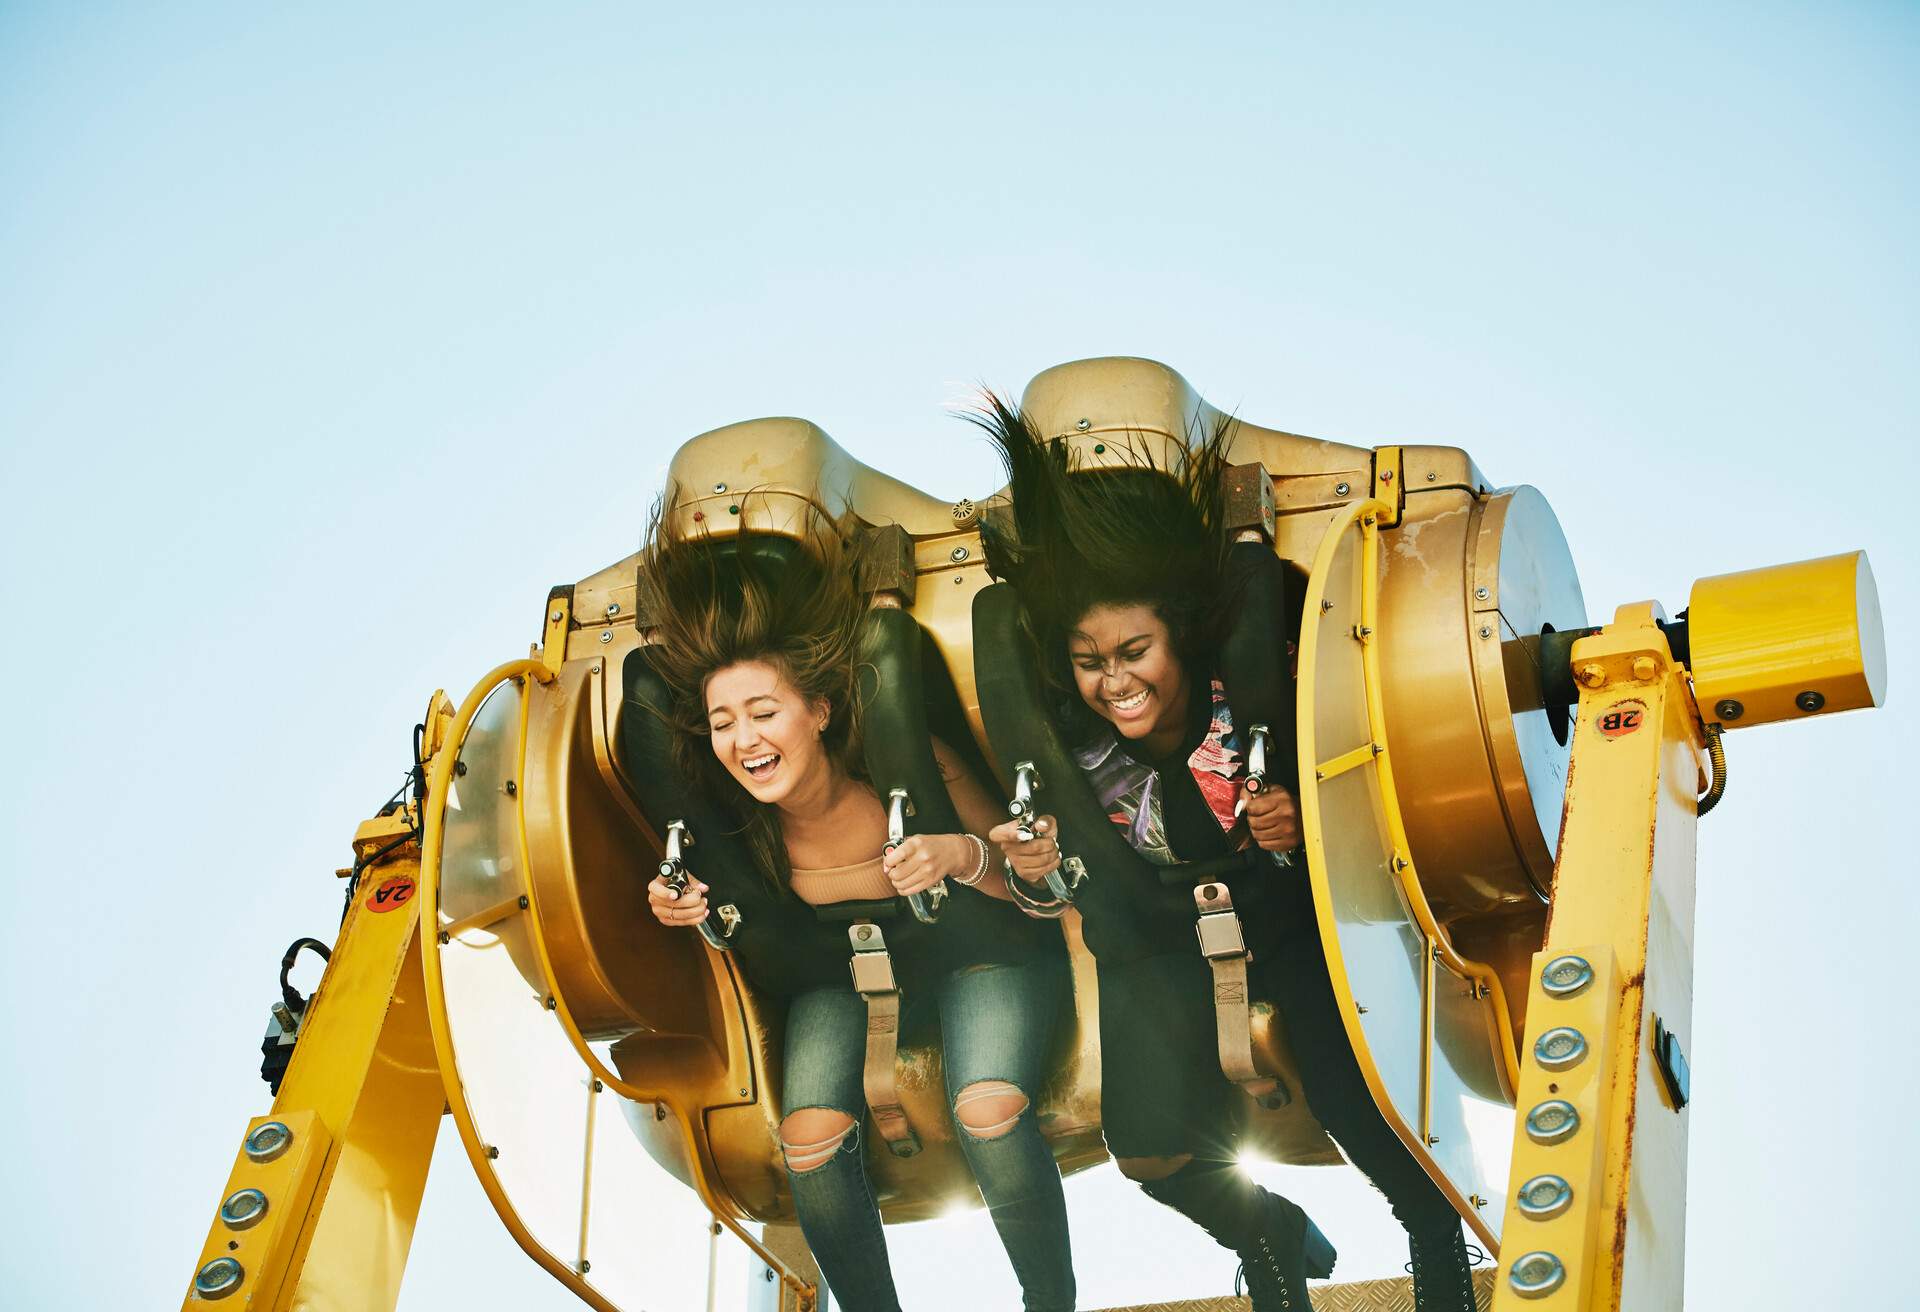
(673, 870)
(925, 905)
(1026, 778)
(1257, 736)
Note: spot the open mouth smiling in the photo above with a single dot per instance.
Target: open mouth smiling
(1130, 704)
(759, 767)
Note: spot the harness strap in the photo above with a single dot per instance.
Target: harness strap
(1225, 948)
(873, 979)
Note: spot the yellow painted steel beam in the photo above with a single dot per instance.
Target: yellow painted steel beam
(1596, 1113)
(361, 1102)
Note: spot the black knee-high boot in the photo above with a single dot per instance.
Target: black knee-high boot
(1442, 1274)
(1278, 1244)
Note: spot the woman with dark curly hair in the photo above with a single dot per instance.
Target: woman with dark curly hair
(1126, 580)
(759, 651)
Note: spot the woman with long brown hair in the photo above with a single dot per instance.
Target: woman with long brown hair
(761, 657)
(1127, 579)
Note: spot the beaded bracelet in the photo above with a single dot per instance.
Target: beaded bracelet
(980, 869)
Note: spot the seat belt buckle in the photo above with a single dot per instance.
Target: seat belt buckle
(872, 965)
(1218, 927)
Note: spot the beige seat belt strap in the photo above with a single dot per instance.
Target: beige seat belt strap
(873, 980)
(1225, 948)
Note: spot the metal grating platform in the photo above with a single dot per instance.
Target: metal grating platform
(1361, 1296)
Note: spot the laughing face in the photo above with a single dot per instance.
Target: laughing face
(1126, 669)
(766, 732)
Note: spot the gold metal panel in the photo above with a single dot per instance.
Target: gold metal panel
(1766, 637)
(1426, 1025)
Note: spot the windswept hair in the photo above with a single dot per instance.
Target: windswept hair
(717, 601)
(1079, 538)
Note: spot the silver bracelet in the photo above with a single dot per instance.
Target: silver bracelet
(979, 870)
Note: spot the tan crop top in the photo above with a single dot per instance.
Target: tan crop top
(853, 883)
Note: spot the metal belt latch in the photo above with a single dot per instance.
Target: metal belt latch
(873, 979)
(1218, 926)
(872, 964)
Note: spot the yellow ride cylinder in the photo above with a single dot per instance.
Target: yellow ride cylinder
(1788, 641)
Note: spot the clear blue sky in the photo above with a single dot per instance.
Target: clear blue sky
(331, 336)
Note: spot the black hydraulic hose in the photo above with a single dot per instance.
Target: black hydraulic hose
(295, 1003)
(1717, 760)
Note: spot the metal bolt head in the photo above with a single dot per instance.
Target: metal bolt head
(1544, 1197)
(1481, 594)
(606, 635)
(218, 1278)
(1084, 425)
(957, 580)
(243, 1208)
(718, 488)
(1535, 1275)
(595, 669)
(268, 1141)
(1560, 1048)
(1432, 477)
(613, 608)
(1341, 489)
(1644, 668)
(957, 555)
(1553, 1121)
(1566, 976)
(864, 933)
(1728, 709)
(554, 618)
(1486, 630)
(1810, 701)
(1593, 676)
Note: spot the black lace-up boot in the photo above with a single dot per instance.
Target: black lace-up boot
(1442, 1274)
(1279, 1246)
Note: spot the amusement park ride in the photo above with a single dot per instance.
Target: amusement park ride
(1499, 802)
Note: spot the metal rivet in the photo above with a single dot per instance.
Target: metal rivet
(524, 904)
(243, 1208)
(460, 768)
(613, 608)
(1810, 701)
(1432, 477)
(1481, 593)
(1386, 476)
(743, 1093)
(1544, 1197)
(1560, 1047)
(606, 635)
(585, 1266)
(594, 670)
(512, 788)
(957, 555)
(551, 1002)
(1553, 1121)
(1535, 1275)
(218, 1278)
(1486, 630)
(493, 1153)
(957, 580)
(1341, 489)
(1325, 606)
(865, 933)
(1084, 425)
(718, 488)
(1728, 709)
(268, 1141)
(1566, 977)
(554, 618)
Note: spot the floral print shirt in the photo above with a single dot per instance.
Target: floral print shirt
(1132, 792)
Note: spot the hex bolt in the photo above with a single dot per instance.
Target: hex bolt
(1728, 709)
(1593, 676)
(1810, 701)
(1644, 667)
(493, 1153)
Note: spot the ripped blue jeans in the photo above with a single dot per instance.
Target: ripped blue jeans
(995, 1025)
